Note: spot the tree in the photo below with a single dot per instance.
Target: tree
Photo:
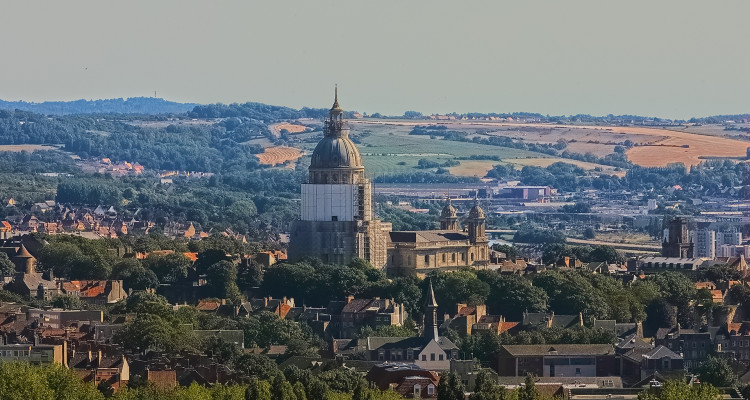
(281, 389)
(299, 391)
(222, 281)
(22, 381)
(169, 268)
(341, 379)
(717, 372)
(589, 233)
(150, 331)
(134, 275)
(486, 388)
(257, 366)
(7, 268)
(258, 390)
(511, 295)
(68, 302)
(679, 390)
(450, 387)
(608, 254)
(529, 391)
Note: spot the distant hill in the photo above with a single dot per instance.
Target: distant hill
(133, 105)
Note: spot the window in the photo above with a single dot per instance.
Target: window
(381, 355)
(430, 389)
(443, 257)
(426, 260)
(417, 391)
(432, 356)
(440, 357)
(472, 256)
(334, 218)
(424, 357)
(453, 257)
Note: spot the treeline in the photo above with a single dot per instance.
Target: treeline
(425, 177)
(132, 105)
(177, 146)
(707, 178)
(257, 111)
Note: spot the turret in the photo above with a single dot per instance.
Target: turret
(449, 218)
(24, 260)
(475, 223)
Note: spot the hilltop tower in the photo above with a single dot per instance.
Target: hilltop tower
(336, 223)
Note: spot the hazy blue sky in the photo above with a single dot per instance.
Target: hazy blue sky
(670, 58)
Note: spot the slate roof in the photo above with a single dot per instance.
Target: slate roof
(661, 352)
(427, 236)
(559, 349)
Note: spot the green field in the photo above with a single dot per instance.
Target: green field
(389, 149)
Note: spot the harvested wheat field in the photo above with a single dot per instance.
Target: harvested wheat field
(472, 168)
(279, 155)
(26, 147)
(291, 128)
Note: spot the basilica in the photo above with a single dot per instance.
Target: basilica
(337, 225)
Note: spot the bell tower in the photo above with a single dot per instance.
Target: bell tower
(476, 224)
(449, 218)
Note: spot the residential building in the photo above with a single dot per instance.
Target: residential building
(38, 354)
(705, 243)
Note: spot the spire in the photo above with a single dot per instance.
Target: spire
(431, 302)
(430, 331)
(336, 108)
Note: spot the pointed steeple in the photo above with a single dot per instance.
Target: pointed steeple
(336, 108)
(431, 302)
(430, 316)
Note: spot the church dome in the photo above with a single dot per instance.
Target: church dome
(448, 211)
(336, 152)
(476, 212)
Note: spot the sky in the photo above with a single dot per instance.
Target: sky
(664, 58)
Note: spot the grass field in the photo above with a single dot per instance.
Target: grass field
(279, 155)
(26, 147)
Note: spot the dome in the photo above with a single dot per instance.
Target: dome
(476, 212)
(448, 211)
(336, 152)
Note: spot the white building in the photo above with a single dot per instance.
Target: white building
(705, 243)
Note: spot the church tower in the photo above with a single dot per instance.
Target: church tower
(475, 224)
(430, 316)
(449, 218)
(336, 222)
